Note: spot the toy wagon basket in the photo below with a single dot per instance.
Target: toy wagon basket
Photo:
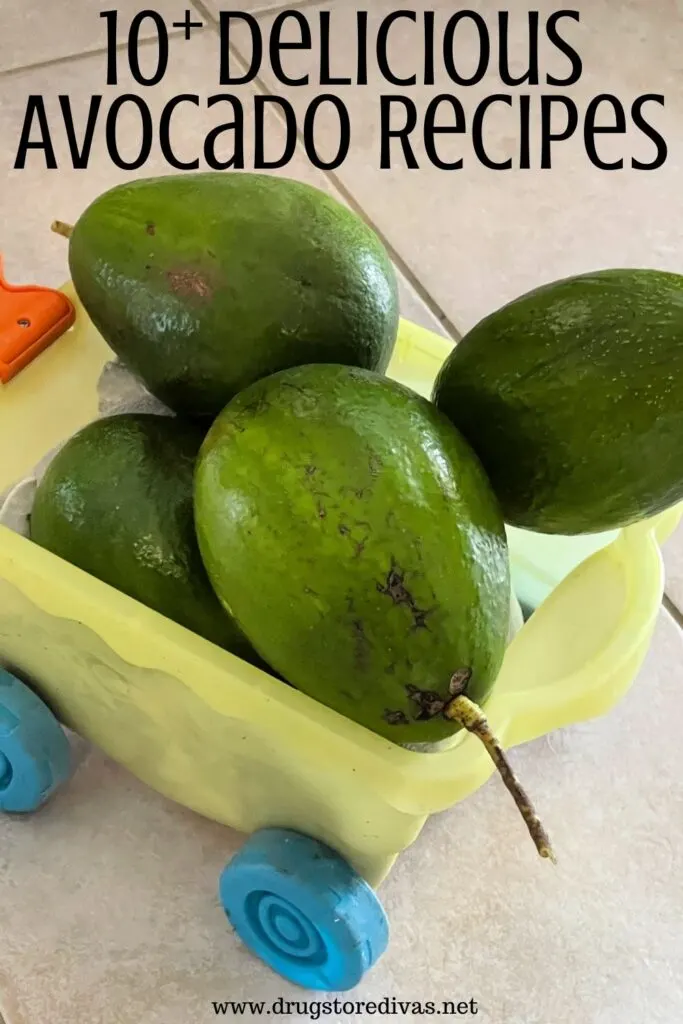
(328, 805)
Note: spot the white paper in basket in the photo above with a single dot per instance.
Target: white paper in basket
(119, 392)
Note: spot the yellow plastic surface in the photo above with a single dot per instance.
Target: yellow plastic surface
(51, 399)
(238, 746)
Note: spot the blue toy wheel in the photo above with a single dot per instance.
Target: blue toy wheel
(35, 756)
(303, 910)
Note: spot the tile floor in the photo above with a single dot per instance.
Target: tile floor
(107, 911)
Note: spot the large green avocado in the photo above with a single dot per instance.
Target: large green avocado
(204, 283)
(571, 396)
(116, 501)
(353, 535)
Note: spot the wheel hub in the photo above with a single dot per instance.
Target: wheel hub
(285, 929)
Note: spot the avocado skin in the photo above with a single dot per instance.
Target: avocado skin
(355, 538)
(571, 396)
(204, 283)
(116, 501)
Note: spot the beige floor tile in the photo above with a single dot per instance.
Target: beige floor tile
(32, 197)
(109, 910)
(478, 237)
(253, 6)
(34, 31)
(673, 560)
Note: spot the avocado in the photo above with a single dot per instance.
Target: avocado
(571, 397)
(204, 283)
(116, 501)
(353, 535)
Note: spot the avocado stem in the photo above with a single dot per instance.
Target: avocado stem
(60, 228)
(461, 709)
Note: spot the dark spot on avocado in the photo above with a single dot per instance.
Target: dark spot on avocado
(375, 464)
(256, 406)
(395, 588)
(357, 492)
(322, 511)
(151, 228)
(429, 703)
(310, 470)
(344, 529)
(459, 682)
(211, 253)
(147, 266)
(305, 283)
(189, 284)
(395, 717)
(310, 592)
(420, 618)
(360, 548)
(296, 387)
(230, 429)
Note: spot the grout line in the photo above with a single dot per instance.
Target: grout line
(98, 51)
(275, 7)
(673, 610)
(409, 275)
(201, 7)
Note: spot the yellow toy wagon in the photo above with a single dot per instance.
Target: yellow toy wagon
(328, 805)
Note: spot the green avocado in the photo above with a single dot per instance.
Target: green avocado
(353, 535)
(204, 283)
(116, 501)
(571, 396)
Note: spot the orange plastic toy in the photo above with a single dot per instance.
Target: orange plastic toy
(31, 318)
